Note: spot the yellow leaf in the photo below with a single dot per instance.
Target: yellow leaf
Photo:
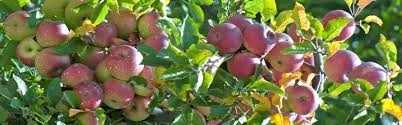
(264, 105)
(390, 107)
(300, 17)
(349, 2)
(86, 27)
(394, 70)
(71, 34)
(73, 112)
(333, 47)
(279, 119)
(363, 3)
(373, 19)
(283, 20)
(276, 100)
(287, 77)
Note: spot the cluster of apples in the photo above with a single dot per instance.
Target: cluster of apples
(100, 76)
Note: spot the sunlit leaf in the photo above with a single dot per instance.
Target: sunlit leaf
(365, 27)
(299, 48)
(264, 103)
(387, 49)
(279, 119)
(389, 106)
(349, 2)
(288, 77)
(266, 86)
(373, 19)
(395, 69)
(363, 3)
(87, 26)
(340, 88)
(337, 45)
(378, 92)
(269, 9)
(22, 87)
(300, 17)
(334, 28)
(316, 26)
(283, 20)
(73, 112)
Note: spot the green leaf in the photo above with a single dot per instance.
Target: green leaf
(252, 7)
(299, 48)
(269, 9)
(8, 53)
(100, 114)
(360, 121)
(138, 80)
(200, 53)
(99, 15)
(266, 86)
(72, 98)
(74, 45)
(340, 88)
(189, 32)
(387, 49)
(219, 112)
(155, 61)
(316, 26)
(176, 72)
(22, 87)
(113, 5)
(334, 28)
(172, 29)
(365, 27)
(54, 92)
(282, 20)
(196, 12)
(204, 2)
(206, 82)
(397, 87)
(3, 115)
(378, 92)
(300, 17)
(146, 50)
(16, 103)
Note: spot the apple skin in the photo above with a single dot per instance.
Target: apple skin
(281, 62)
(157, 42)
(49, 64)
(117, 94)
(292, 32)
(93, 57)
(369, 71)
(76, 74)
(73, 19)
(226, 37)
(277, 76)
(243, 65)
(52, 33)
(151, 75)
(102, 73)
(16, 26)
(54, 9)
(104, 33)
(138, 109)
(348, 30)
(147, 24)
(124, 61)
(308, 66)
(27, 50)
(240, 21)
(339, 65)
(90, 94)
(87, 118)
(259, 39)
(125, 21)
(302, 99)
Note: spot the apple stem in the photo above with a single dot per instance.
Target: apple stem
(318, 68)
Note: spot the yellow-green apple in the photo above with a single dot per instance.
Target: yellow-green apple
(54, 9)
(88, 118)
(51, 33)
(27, 50)
(281, 62)
(76, 74)
(147, 24)
(124, 61)
(49, 64)
(340, 64)
(226, 37)
(137, 110)
(125, 21)
(90, 94)
(16, 26)
(102, 73)
(93, 57)
(104, 33)
(258, 39)
(117, 94)
(157, 42)
(243, 65)
(76, 12)
(240, 21)
(348, 30)
(302, 99)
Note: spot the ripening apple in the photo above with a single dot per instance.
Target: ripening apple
(117, 94)
(157, 42)
(240, 21)
(348, 30)
(226, 37)
(16, 26)
(339, 65)
(302, 99)
(27, 50)
(125, 21)
(49, 64)
(259, 39)
(243, 65)
(87, 118)
(147, 24)
(151, 74)
(52, 33)
(137, 110)
(93, 57)
(124, 61)
(281, 62)
(369, 71)
(76, 74)
(102, 73)
(90, 94)
(54, 9)
(104, 33)
(74, 19)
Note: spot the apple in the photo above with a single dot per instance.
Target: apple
(157, 42)
(147, 24)
(137, 110)
(52, 33)
(134, 38)
(76, 74)
(281, 62)
(302, 99)
(117, 94)
(124, 61)
(87, 118)
(93, 56)
(27, 50)
(125, 21)
(74, 19)
(277, 76)
(340, 64)
(102, 73)
(54, 9)
(226, 37)
(259, 39)
(369, 71)
(104, 33)
(243, 65)
(90, 94)
(240, 21)
(348, 30)
(49, 64)
(151, 75)
(16, 26)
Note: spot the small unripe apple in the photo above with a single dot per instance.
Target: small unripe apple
(147, 25)
(240, 21)
(302, 99)
(259, 39)
(102, 73)
(124, 61)
(76, 74)
(90, 94)
(243, 65)
(338, 66)
(125, 21)
(157, 42)
(104, 33)
(27, 50)
(348, 30)
(49, 64)
(226, 37)
(16, 26)
(52, 33)
(54, 9)
(117, 94)
(138, 109)
(87, 118)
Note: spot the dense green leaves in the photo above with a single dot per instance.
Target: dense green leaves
(262, 85)
(54, 92)
(72, 46)
(267, 8)
(72, 98)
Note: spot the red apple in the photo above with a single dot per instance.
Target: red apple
(117, 94)
(49, 64)
(93, 57)
(157, 42)
(90, 94)
(240, 21)
(16, 26)
(302, 99)
(243, 65)
(125, 21)
(226, 37)
(138, 109)
(27, 50)
(76, 74)
(52, 33)
(369, 71)
(147, 25)
(124, 61)
(338, 66)
(104, 33)
(347, 31)
(259, 39)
